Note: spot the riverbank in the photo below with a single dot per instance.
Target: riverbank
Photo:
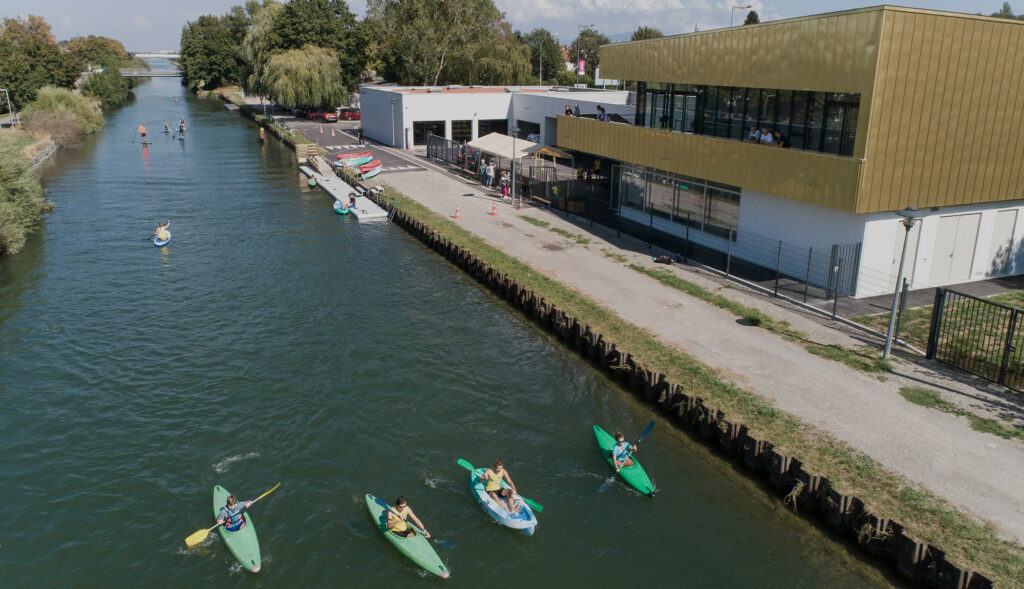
(22, 205)
(676, 336)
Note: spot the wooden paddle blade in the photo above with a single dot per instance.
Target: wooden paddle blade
(197, 537)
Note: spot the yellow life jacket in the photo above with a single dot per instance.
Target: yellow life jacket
(400, 525)
(493, 481)
(161, 234)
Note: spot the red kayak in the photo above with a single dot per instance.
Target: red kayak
(352, 156)
(367, 167)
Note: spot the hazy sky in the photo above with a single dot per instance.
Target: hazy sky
(150, 24)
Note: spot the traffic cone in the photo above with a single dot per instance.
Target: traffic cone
(332, 132)
(520, 207)
(321, 129)
(457, 215)
(494, 209)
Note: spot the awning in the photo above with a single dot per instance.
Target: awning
(551, 152)
(500, 145)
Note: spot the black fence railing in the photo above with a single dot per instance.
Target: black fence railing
(978, 336)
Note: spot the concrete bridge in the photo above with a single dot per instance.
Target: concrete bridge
(176, 73)
(168, 54)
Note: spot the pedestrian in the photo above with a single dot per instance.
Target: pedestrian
(576, 111)
(766, 137)
(754, 136)
(362, 138)
(506, 179)
(568, 111)
(600, 113)
(483, 172)
(490, 174)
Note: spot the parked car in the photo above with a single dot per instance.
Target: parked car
(348, 114)
(300, 112)
(327, 116)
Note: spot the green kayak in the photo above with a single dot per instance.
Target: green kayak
(634, 475)
(417, 548)
(243, 543)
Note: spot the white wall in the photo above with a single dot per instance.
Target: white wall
(448, 107)
(376, 115)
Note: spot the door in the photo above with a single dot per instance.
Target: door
(954, 248)
(910, 263)
(1000, 255)
(550, 131)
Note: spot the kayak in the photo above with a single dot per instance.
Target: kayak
(369, 166)
(371, 172)
(162, 242)
(243, 543)
(353, 162)
(634, 475)
(417, 548)
(522, 519)
(311, 182)
(354, 156)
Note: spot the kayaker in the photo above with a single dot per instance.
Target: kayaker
(621, 452)
(263, 134)
(494, 476)
(231, 515)
(167, 127)
(161, 230)
(397, 517)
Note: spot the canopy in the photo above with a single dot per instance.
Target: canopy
(550, 151)
(500, 145)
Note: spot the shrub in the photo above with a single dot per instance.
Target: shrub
(21, 197)
(60, 125)
(85, 111)
(109, 87)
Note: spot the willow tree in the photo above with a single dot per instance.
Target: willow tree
(497, 60)
(260, 45)
(305, 77)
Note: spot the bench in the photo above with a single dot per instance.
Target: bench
(541, 199)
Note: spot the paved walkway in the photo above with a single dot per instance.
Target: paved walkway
(923, 297)
(978, 472)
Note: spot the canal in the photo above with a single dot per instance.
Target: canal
(275, 341)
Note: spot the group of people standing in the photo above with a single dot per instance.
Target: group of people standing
(766, 137)
(488, 172)
(575, 112)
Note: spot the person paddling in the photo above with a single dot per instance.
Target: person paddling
(161, 230)
(621, 452)
(397, 517)
(263, 134)
(167, 128)
(142, 131)
(494, 476)
(181, 126)
(232, 514)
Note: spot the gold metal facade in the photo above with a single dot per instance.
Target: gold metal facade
(940, 122)
(802, 175)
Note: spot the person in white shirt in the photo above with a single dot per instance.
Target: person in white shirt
(754, 136)
(766, 137)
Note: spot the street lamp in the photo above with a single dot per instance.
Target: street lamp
(393, 123)
(909, 215)
(10, 110)
(732, 13)
(540, 54)
(579, 32)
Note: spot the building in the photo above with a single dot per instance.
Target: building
(403, 116)
(883, 108)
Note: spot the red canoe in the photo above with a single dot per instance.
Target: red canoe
(367, 167)
(350, 156)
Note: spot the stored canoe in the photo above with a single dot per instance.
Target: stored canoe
(243, 543)
(634, 475)
(354, 156)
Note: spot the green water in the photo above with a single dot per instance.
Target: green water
(275, 341)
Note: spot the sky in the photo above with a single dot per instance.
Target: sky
(150, 25)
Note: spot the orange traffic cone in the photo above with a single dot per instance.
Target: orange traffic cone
(457, 215)
(321, 129)
(520, 207)
(494, 209)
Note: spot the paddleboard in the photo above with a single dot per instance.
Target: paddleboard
(635, 475)
(243, 543)
(522, 519)
(417, 548)
(162, 242)
(146, 142)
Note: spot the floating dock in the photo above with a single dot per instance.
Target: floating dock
(338, 189)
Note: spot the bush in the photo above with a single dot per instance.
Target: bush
(85, 112)
(109, 87)
(21, 197)
(59, 125)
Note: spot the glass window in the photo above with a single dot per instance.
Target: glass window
(722, 114)
(420, 130)
(527, 128)
(488, 126)
(462, 130)
(753, 101)
(723, 210)
(708, 114)
(768, 100)
(849, 130)
(641, 103)
(660, 194)
(782, 113)
(689, 200)
(796, 127)
(736, 103)
(815, 116)
(631, 187)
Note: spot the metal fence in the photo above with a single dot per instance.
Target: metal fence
(978, 336)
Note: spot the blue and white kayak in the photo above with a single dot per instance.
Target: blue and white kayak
(521, 519)
(162, 242)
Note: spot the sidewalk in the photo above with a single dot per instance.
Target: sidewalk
(978, 472)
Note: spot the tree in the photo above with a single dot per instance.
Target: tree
(93, 50)
(323, 23)
(499, 60)
(419, 38)
(586, 47)
(109, 87)
(261, 43)
(30, 59)
(542, 44)
(643, 33)
(306, 77)
(752, 18)
(209, 53)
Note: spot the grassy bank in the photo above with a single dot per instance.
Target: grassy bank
(21, 195)
(933, 400)
(924, 515)
(232, 96)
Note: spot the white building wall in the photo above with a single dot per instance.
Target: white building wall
(375, 114)
(536, 108)
(448, 107)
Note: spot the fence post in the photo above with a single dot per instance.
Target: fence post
(650, 231)
(807, 277)
(686, 244)
(1008, 347)
(835, 301)
(900, 309)
(830, 288)
(936, 324)
(778, 266)
(728, 254)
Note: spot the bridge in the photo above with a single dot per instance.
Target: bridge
(138, 73)
(167, 54)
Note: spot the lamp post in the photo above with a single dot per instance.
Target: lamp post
(393, 122)
(540, 55)
(909, 215)
(732, 13)
(579, 33)
(10, 110)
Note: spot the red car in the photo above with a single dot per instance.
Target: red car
(348, 114)
(326, 116)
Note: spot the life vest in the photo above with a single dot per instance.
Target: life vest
(161, 234)
(493, 481)
(233, 519)
(621, 453)
(399, 517)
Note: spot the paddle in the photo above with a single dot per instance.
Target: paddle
(611, 479)
(533, 504)
(200, 535)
